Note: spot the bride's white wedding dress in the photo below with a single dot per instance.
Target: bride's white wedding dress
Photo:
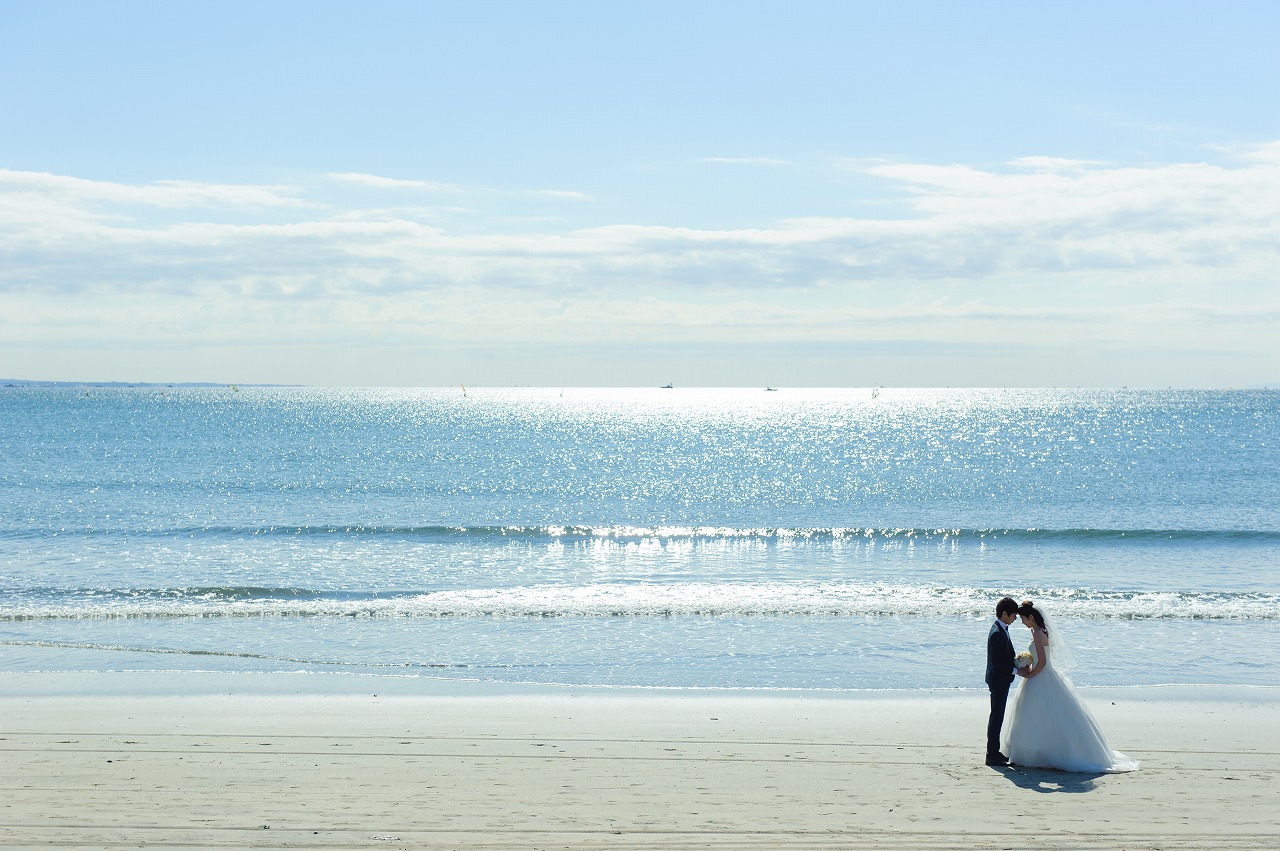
(1050, 727)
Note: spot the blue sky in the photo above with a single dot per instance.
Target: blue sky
(829, 194)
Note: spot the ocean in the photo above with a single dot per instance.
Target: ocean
(673, 538)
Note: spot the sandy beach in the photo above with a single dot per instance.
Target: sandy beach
(584, 769)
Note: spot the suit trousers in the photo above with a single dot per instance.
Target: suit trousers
(999, 698)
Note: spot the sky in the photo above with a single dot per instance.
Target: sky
(1055, 194)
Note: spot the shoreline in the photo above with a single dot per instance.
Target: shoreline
(178, 684)
(581, 768)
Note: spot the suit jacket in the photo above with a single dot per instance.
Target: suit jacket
(999, 657)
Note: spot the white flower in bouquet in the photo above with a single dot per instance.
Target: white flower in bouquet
(1023, 660)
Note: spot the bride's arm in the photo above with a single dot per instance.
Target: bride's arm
(1042, 653)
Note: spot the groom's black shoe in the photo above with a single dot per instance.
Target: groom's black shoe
(997, 759)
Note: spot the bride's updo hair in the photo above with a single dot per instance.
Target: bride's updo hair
(1028, 610)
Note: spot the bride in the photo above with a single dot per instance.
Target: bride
(1050, 726)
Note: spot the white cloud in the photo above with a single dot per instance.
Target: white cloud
(1265, 152)
(1043, 216)
(745, 160)
(391, 182)
(1055, 164)
(1049, 249)
(378, 182)
(568, 194)
(74, 191)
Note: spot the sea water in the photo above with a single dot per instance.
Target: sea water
(688, 538)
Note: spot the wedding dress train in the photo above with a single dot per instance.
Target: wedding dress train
(1050, 727)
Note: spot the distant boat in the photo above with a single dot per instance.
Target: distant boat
(667, 387)
(771, 389)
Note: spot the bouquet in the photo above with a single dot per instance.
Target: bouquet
(1023, 660)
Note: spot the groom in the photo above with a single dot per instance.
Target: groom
(1000, 673)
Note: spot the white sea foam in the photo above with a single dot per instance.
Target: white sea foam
(662, 600)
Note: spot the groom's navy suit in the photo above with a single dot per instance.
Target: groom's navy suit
(999, 679)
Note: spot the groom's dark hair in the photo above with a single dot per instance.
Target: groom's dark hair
(1006, 606)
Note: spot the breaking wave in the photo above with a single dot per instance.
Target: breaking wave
(635, 600)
